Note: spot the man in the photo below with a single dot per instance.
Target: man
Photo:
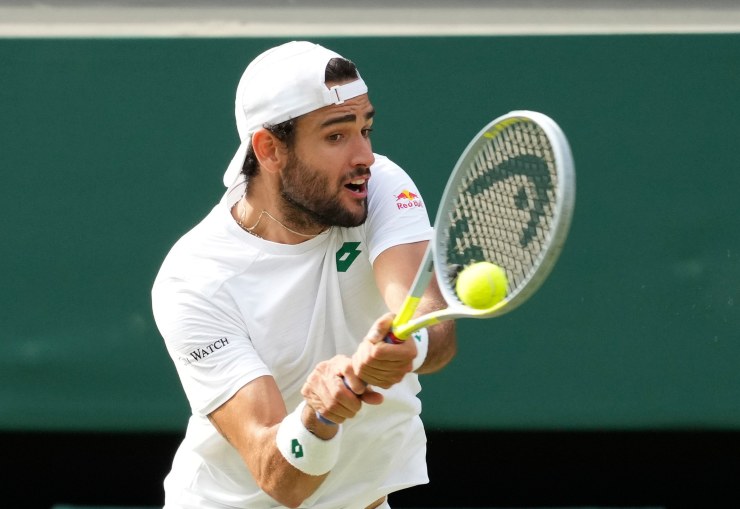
(275, 307)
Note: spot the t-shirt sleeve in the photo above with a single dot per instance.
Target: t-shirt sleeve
(397, 213)
(213, 354)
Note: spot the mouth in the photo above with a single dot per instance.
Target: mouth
(358, 186)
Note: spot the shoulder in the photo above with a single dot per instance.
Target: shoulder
(391, 186)
(204, 257)
(388, 178)
(384, 167)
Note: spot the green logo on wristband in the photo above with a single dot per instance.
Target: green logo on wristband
(297, 448)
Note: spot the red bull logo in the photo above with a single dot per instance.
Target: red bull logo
(408, 200)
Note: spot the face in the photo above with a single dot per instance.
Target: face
(325, 178)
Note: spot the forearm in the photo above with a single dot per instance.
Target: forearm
(250, 422)
(278, 478)
(442, 347)
(275, 474)
(442, 336)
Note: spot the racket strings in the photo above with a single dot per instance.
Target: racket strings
(506, 203)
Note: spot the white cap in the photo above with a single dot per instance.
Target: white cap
(282, 83)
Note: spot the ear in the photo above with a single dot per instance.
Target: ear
(269, 150)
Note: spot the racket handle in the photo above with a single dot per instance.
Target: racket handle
(323, 419)
(344, 380)
(393, 339)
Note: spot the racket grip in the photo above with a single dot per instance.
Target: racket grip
(323, 419)
(344, 380)
(393, 339)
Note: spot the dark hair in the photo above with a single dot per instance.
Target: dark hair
(337, 70)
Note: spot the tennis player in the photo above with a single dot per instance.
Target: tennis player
(275, 307)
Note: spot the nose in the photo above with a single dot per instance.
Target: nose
(363, 153)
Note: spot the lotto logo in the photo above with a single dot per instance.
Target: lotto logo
(296, 448)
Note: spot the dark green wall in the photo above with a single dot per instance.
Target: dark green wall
(111, 149)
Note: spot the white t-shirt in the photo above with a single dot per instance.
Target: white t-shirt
(233, 307)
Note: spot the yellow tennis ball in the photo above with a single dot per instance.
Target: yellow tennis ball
(481, 285)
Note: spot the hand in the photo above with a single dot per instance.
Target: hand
(333, 390)
(379, 363)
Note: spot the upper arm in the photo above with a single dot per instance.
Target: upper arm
(395, 270)
(225, 379)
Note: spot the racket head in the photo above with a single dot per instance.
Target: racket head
(509, 201)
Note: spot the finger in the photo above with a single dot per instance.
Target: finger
(384, 365)
(386, 380)
(387, 352)
(321, 394)
(312, 395)
(354, 391)
(380, 329)
(342, 402)
(371, 397)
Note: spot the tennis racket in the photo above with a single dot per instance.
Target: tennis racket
(508, 201)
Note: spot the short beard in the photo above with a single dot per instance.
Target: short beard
(306, 194)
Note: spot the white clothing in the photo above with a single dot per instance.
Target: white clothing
(233, 307)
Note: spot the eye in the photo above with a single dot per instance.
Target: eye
(366, 132)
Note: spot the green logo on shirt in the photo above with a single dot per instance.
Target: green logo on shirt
(347, 254)
(297, 448)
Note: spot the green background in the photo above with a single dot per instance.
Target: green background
(110, 149)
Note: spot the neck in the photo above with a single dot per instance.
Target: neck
(261, 223)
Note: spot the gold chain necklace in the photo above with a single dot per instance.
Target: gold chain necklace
(250, 229)
(240, 220)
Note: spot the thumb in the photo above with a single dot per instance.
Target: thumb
(380, 328)
(371, 397)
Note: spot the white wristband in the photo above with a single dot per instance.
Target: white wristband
(304, 450)
(421, 339)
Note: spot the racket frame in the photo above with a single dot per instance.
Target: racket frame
(433, 262)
